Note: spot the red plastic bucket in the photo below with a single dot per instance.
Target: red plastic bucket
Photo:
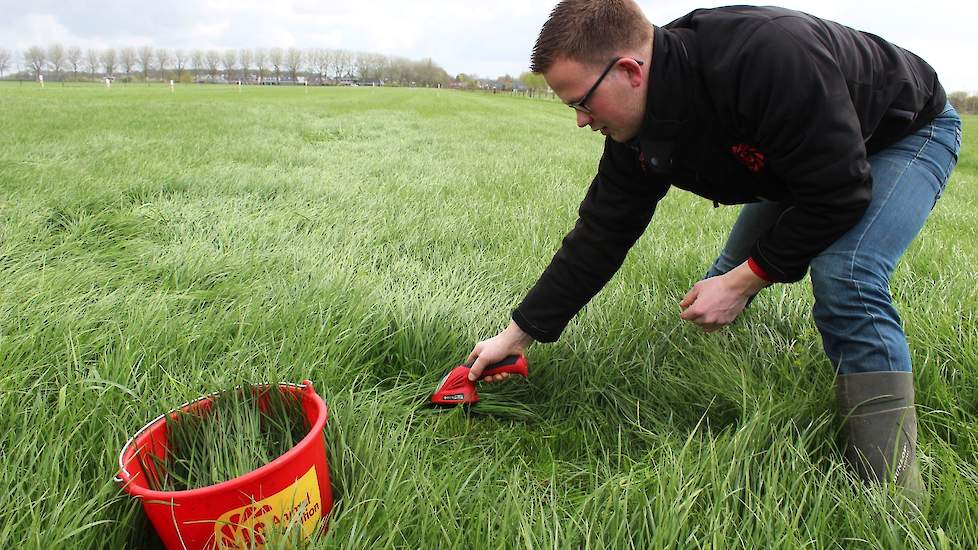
(292, 490)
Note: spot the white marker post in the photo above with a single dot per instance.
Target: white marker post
(171, 85)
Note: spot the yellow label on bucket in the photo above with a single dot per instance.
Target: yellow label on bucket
(298, 504)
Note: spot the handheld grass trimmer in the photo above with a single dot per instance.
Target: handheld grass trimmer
(456, 389)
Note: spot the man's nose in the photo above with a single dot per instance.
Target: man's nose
(583, 119)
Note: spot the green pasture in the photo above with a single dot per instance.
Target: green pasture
(158, 245)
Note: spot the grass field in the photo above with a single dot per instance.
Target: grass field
(155, 246)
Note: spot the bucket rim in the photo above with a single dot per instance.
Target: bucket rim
(305, 389)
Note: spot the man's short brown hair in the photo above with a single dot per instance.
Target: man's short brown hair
(590, 31)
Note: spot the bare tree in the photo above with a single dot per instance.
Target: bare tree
(319, 59)
(957, 100)
(4, 61)
(228, 62)
(56, 59)
(198, 60)
(399, 70)
(276, 57)
(127, 58)
(534, 82)
(430, 74)
(163, 61)
(371, 66)
(362, 66)
(92, 61)
(293, 58)
(245, 58)
(35, 58)
(179, 62)
(213, 60)
(261, 62)
(74, 56)
(342, 63)
(145, 57)
(971, 104)
(384, 67)
(109, 61)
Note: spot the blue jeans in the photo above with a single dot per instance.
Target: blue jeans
(853, 310)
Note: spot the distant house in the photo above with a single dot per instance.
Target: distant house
(208, 79)
(284, 81)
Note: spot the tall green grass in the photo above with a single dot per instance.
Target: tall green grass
(233, 433)
(157, 246)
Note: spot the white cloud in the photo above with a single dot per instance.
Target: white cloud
(32, 29)
(208, 35)
(474, 36)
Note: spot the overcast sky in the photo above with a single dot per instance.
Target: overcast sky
(486, 37)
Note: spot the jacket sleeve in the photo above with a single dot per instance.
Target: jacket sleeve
(791, 90)
(616, 210)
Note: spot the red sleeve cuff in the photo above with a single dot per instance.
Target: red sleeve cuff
(758, 271)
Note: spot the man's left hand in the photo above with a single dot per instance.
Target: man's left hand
(716, 302)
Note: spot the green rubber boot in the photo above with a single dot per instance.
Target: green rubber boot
(879, 430)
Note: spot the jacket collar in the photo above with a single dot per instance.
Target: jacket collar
(669, 99)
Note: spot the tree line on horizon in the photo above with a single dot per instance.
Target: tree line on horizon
(259, 65)
(963, 103)
(231, 65)
(265, 65)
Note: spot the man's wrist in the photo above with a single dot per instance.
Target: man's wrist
(746, 281)
(758, 270)
(516, 333)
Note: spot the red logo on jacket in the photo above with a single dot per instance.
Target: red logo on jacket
(748, 156)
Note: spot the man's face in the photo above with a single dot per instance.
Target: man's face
(615, 107)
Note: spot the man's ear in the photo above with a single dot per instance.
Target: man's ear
(633, 71)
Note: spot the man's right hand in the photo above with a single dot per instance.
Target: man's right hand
(511, 341)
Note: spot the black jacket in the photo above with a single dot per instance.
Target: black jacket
(744, 103)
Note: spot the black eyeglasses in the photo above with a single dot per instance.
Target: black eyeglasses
(580, 104)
